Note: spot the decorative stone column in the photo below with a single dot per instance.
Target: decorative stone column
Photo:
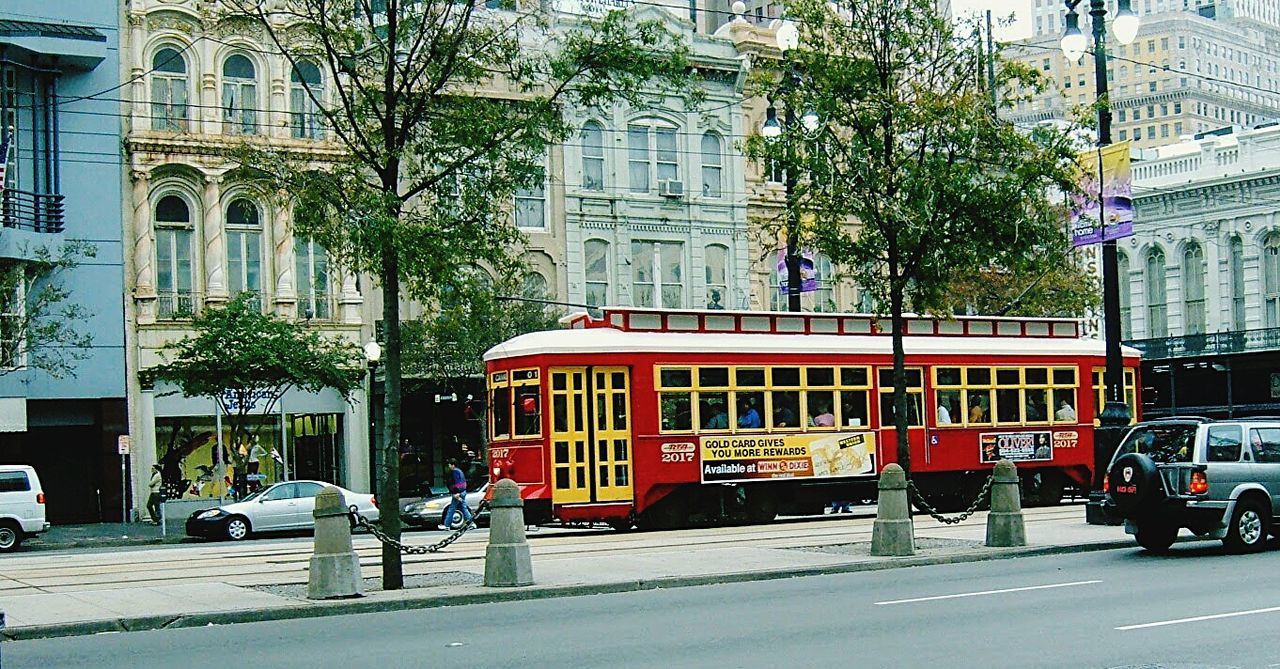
(215, 248)
(137, 68)
(286, 284)
(144, 282)
(350, 301)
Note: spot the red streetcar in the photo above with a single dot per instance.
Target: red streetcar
(670, 418)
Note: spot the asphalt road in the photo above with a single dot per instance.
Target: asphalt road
(1195, 608)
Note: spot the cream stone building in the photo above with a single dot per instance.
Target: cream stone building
(197, 84)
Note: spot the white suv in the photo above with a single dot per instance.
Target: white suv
(21, 506)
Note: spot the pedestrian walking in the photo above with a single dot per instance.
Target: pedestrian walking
(156, 498)
(458, 488)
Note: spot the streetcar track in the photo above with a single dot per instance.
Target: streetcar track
(290, 568)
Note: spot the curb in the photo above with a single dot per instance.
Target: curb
(355, 606)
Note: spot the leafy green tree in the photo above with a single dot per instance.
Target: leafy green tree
(41, 327)
(443, 110)
(246, 360)
(909, 179)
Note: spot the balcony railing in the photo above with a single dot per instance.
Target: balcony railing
(38, 212)
(1238, 341)
(176, 306)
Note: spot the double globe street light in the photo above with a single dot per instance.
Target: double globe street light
(1115, 415)
(787, 37)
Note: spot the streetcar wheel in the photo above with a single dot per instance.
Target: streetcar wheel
(762, 506)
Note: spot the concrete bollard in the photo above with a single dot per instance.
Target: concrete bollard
(1004, 524)
(506, 560)
(893, 532)
(335, 567)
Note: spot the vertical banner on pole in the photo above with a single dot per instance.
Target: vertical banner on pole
(1103, 209)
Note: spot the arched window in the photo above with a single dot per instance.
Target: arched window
(1193, 278)
(168, 91)
(311, 263)
(239, 96)
(534, 286)
(657, 274)
(1271, 280)
(1126, 300)
(1236, 250)
(305, 89)
(712, 166)
(174, 277)
(1157, 309)
(597, 266)
(244, 248)
(716, 263)
(592, 156)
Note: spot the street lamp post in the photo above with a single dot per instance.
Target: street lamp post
(788, 38)
(372, 354)
(1115, 414)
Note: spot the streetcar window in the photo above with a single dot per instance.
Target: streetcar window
(751, 378)
(528, 412)
(676, 378)
(500, 407)
(912, 374)
(1064, 376)
(786, 409)
(713, 410)
(786, 376)
(820, 408)
(820, 376)
(1008, 377)
(949, 407)
(713, 377)
(559, 411)
(677, 413)
(948, 376)
(1008, 409)
(1037, 376)
(887, 413)
(1100, 394)
(853, 408)
(1037, 405)
(854, 376)
(749, 412)
(978, 376)
(978, 407)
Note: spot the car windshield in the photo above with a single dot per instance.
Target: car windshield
(1162, 443)
(255, 494)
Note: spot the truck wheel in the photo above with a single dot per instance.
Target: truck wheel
(1250, 525)
(1156, 537)
(10, 536)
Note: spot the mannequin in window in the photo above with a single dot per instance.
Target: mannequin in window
(715, 301)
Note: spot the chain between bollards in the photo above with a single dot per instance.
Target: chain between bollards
(924, 506)
(358, 520)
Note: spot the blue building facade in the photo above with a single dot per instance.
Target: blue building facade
(59, 104)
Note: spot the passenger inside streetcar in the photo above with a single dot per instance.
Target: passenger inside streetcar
(824, 417)
(748, 416)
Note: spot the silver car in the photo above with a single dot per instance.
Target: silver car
(1220, 479)
(283, 506)
(430, 512)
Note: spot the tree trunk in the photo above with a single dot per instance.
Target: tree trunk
(389, 481)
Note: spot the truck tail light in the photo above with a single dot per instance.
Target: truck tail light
(374, 501)
(39, 498)
(1106, 483)
(1199, 483)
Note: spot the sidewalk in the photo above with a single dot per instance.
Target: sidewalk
(91, 535)
(459, 582)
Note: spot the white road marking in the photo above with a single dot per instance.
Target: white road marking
(1196, 619)
(986, 592)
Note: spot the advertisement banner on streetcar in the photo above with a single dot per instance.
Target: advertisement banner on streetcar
(751, 458)
(1016, 446)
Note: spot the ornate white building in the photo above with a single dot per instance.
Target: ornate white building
(196, 85)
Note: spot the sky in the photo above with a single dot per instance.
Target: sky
(1021, 9)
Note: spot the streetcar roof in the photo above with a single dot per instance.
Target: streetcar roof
(609, 340)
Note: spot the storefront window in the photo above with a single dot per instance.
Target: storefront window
(193, 466)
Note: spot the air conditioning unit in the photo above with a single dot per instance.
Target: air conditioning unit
(671, 188)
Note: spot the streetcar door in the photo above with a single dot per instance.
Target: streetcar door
(611, 434)
(590, 435)
(570, 467)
